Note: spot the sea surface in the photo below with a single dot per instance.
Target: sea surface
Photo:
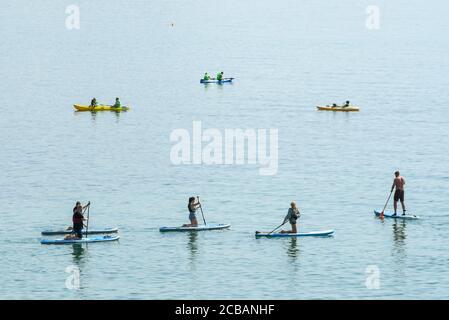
(287, 57)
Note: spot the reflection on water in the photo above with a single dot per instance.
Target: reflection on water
(93, 116)
(78, 253)
(293, 249)
(117, 116)
(399, 232)
(192, 246)
(220, 86)
(399, 237)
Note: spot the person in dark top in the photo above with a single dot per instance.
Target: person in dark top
(192, 206)
(78, 219)
(292, 215)
(117, 103)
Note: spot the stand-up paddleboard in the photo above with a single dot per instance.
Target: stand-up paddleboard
(199, 228)
(91, 231)
(398, 216)
(324, 233)
(224, 80)
(83, 240)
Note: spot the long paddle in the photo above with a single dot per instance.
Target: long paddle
(201, 208)
(88, 216)
(275, 228)
(221, 79)
(278, 227)
(386, 203)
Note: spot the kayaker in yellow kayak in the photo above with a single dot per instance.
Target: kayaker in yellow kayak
(93, 103)
(346, 104)
(117, 103)
(334, 105)
(220, 76)
(206, 77)
(292, 215)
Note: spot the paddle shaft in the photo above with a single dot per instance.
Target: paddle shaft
(221, 79)
(386, 203)
(202, 213)
(88, 216)
(277, 227)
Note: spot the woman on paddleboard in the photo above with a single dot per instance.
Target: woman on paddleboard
(192, 206)
(292, 215)
(78, 219)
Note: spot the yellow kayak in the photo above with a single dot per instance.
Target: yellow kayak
(339, 108)
(100, 108)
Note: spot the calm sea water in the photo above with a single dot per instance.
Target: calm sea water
(287, 57)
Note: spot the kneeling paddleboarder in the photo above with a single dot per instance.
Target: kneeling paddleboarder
(292, 215)
(192, 206)
(78, 219)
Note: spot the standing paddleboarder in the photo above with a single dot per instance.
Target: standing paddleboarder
(292, 215)
(398, 183)
(192, 206)
(78, 219)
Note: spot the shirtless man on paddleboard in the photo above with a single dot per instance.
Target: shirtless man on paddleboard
(398, 183)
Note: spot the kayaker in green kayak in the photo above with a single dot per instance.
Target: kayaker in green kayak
(292, 215)
(398, 183)
(78, 219)
(192, 206)
(117, 103)
(220, 76)
(93, 103)
(206, 77)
